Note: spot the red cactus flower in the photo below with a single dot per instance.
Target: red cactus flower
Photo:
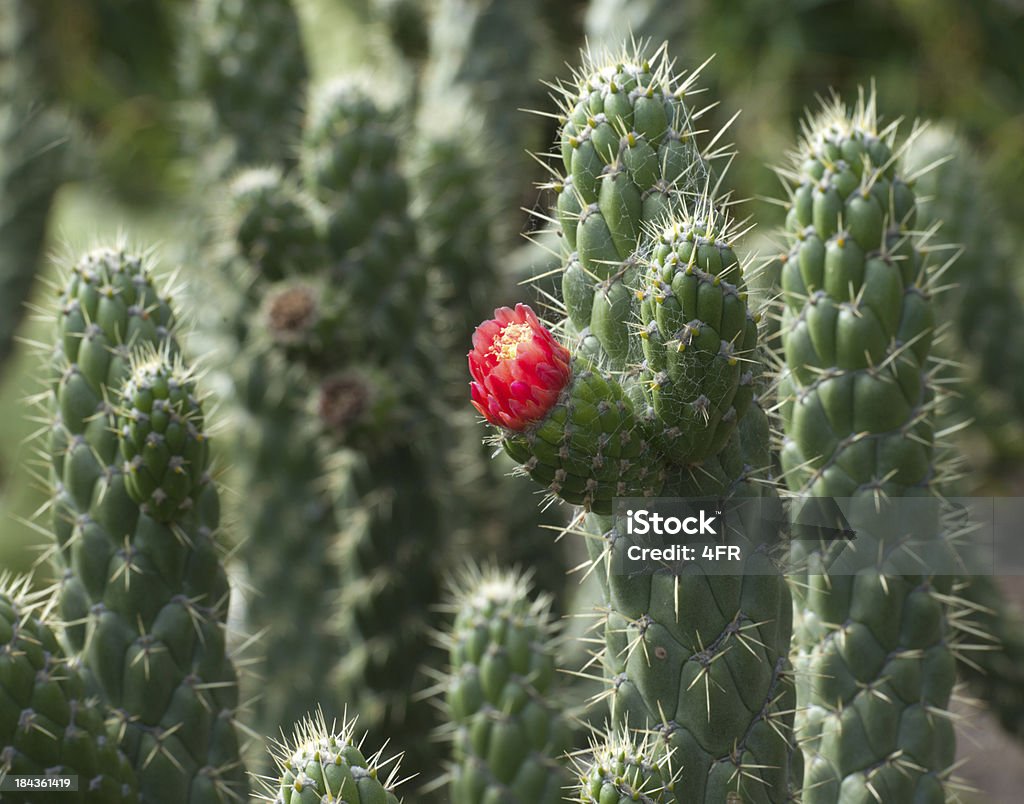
(518, 368)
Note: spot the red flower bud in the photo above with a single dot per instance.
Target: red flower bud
(518, 368)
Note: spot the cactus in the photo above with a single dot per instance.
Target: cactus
(252, 68)
(508, 731)
(289, 525)
(344, 355)
(388, 552)
(270, 241)
(874, 659)
(495, 52)
(701, 661)
(624, 767)
(986, 309)
(326, 765)
(49, 724)
(984, 301)
(349, 161)
(629, 156)
(136, 518)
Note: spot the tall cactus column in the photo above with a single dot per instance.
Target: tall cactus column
(874, 666)
(658, 401)
(136, 517)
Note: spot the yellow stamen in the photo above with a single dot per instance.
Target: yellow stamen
(506, 343)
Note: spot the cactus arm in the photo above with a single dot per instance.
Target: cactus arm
(851, 225)
(252, 68)
(509, 732)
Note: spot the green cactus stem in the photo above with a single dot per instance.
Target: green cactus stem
(699, 338)
(252, 68)
(509, 733)
(629, 158)
(136, 520)
(49, 725)
(873, 657)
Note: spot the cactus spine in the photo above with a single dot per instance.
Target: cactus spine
(136, 518)
(509, 732)
(875, 664)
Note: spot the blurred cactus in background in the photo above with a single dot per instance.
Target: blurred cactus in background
(427, 552)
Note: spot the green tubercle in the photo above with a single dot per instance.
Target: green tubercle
(629, 156)
(874, 661)
(592, 446)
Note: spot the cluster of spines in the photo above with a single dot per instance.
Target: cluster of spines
(625, 766)
(699, 336)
